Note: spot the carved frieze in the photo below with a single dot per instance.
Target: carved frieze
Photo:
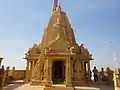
(47, 50)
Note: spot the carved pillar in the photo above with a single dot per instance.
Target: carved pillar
(72, 71)
(27, 72)
(31, 70)
(33, 64)
(89, 72)
(7, 74)
(47, 71)
(85, 69)
(13, 71)
(3, 80)
(1, 61)
(50, 70)
(68, 72)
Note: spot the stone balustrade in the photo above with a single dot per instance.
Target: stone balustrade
(117, 79)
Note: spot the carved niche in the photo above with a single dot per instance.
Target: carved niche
(47, 50)
(34, 50)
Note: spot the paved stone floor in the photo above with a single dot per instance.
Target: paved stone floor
(28, 87)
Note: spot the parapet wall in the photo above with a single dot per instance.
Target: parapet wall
(118, 80)
(17, 74)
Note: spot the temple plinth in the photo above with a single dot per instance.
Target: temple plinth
(58, 59)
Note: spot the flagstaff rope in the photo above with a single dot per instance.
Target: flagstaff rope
(111, 47)
(101, 46)
(114, 56)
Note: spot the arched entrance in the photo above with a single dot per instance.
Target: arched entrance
(58, 72)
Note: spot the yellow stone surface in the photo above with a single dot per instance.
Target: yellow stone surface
(58, 58)
(58, 88)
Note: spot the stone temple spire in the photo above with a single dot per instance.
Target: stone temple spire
(58, 25)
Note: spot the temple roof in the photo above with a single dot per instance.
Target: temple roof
(58, 28)
(58, 37)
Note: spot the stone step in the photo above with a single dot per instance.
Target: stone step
(17, 82)
(86, 88)
(55, 87)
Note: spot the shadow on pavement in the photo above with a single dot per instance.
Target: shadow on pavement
(12, 86)
(103, 86)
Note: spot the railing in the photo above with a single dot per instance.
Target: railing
(2, 78)
(118, 80)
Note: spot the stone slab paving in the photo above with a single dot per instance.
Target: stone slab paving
(104, 87)
(28, 87)
(22, 87)
(118, 89)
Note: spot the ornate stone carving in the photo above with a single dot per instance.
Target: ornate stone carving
(47, 50)
(72, 49)
(82, 48)
(59, 41)
(36, 72)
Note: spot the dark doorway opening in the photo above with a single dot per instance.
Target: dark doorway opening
(58, 72)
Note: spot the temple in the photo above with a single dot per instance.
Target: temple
(58, 59)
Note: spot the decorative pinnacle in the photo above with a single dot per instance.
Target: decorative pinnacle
(55, 5)
(59, 6)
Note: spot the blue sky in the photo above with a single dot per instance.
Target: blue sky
(95, 22)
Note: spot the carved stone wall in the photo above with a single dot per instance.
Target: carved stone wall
(59, 41)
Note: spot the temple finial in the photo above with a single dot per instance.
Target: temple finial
(59, 6)
(55, 5)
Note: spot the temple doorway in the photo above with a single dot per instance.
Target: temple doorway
(58, 72)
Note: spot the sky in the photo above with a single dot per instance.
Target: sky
(95, 22)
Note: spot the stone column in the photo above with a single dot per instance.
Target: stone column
(1, 61)
(50, 69)
(115, 81)
(68, 72)
(85, 68)
(31, 70)
(47, 71)
(3, 79)
(89, 72)
(119, 77)
(7, 74)
(27, 72)
(33, 63)
(13, 71)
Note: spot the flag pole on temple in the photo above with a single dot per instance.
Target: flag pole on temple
(116, 66)
(55, 5)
